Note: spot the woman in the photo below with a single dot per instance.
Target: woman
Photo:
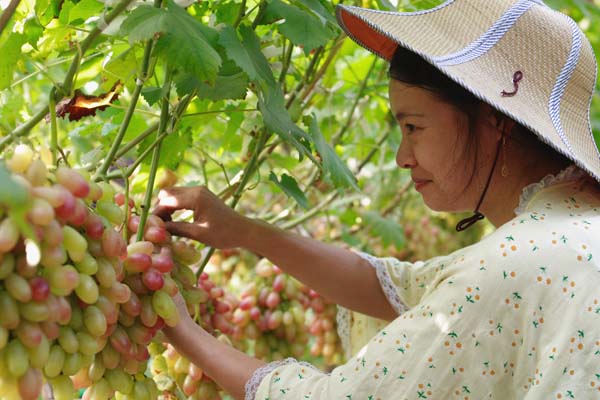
(503, 129)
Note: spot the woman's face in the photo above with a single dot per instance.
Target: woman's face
(435, 136)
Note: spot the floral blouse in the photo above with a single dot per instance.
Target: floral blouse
(515, 316)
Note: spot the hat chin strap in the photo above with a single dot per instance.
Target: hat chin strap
(467, 222)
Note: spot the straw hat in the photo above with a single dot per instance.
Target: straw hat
(520, 56)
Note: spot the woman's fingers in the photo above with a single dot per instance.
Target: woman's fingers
(179, 198)
(184, 229)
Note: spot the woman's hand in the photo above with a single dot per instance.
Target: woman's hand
(215, 223)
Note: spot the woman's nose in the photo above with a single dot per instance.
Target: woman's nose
(405, 157)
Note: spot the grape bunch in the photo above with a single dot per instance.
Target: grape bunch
(323, 328)
(211, 307)
(272, 314)
(79, 305)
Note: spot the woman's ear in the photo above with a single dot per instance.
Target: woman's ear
(500, 122)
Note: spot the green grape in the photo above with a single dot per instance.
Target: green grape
(87, 289)
(165, 307)
(73, 363)
(17, 361)
(39, 355)
(106, 274)
(34, 311)
(119, 380)
(88, 265)
(56, 360)
(9, 317)
(94, 320)
(3, 337)
(7, 265)
(96, 370)
(18, 287)
(68, 340)
(88, 345)
(75, 244)
(62, 388)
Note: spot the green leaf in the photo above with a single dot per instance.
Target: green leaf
(182, 40)
(84, 10)
(226, 86)
(277, 119)
(152, 94)
(173, 148)
(12, 194)
(247, 54)
(300, 26)
(322, 9)
(11, 53)
(290, 187)
(389, 231)
(34, 31)
(335, 169)
(46, 10)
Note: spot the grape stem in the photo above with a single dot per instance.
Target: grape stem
(251, 167)
(162, 133)
(139, 84)
(7, 14)
(53, 127)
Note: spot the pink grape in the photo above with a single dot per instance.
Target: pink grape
(73, 181)
(54, 195)
(156, 234)
(41, 212)
(40, 289)
(67, 207)
(94, 227)
(137, 262)
(79, 214)
(272, 300)
(163, 262)
(153, 279)
(133, 306)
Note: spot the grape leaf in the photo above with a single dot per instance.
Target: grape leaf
(34, 31)
(182, 40)
(290, 187)
(247, 54)
(300, 26)
(152, 94)
(226, 86)
(84, 10)
(335, 169)
(322, 9)
(173, 148)
(11, 52)
(389, 231)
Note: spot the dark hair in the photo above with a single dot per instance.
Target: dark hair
(410, 68)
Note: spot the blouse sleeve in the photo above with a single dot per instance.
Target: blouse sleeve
(403, 283)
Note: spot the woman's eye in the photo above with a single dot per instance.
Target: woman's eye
(409, 128)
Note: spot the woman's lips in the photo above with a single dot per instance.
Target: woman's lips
(419, 183)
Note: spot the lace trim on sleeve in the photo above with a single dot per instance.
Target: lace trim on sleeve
(570, 173)
(253, 383)
(385, 280)
(343, 329)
